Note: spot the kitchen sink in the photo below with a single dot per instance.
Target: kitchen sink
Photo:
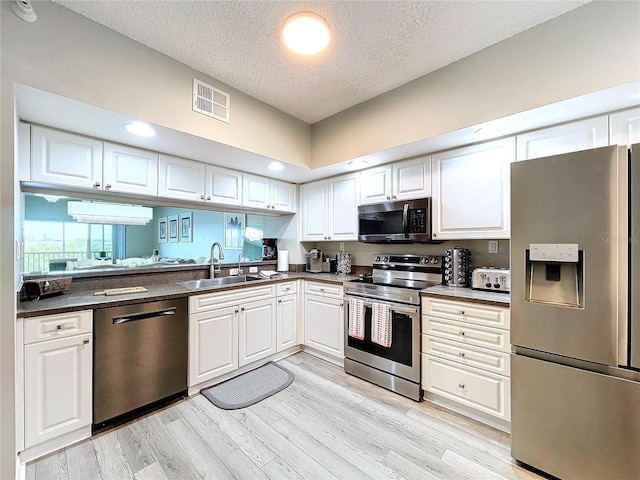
(217, 282)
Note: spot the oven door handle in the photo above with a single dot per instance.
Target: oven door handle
(392, 306)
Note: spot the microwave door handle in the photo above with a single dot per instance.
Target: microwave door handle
(405, 220)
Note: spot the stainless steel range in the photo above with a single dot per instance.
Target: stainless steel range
(382, 338)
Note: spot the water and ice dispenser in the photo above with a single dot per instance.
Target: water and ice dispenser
(555, 274)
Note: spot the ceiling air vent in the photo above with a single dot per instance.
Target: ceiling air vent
(210, 101)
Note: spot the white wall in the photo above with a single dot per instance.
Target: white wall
(586, 50)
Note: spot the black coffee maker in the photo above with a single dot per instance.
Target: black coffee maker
(269, 249)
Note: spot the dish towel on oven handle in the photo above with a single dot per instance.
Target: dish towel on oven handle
(381, 324)
(356, 318)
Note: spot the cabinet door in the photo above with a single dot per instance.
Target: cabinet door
(283, 196)
(223, 185)
(324, 324)
(344, 194)
(65, 159)
(314, 211)
(570, 137)
(375, 185)
(412, 179)
(130, 170)
(213, 344)
(624, 127)
(181, 178)
(287, 322)
(471, 191)
(58, 387)
(257, 331)
(256, 192)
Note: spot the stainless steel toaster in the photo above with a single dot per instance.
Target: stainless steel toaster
(494, 279)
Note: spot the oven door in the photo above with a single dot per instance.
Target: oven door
(402, 358)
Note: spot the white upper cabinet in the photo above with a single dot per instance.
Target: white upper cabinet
(404, 180)
(181, 178)
(264, 193)
(223, 185)
(471, 191)
(62, 158)
(314, 210)
(624, 127)
(330, 209)
(130, 170)
(570, 137)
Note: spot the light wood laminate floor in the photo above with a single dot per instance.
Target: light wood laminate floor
(325, 425)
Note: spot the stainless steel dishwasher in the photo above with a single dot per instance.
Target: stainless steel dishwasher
(140, 357)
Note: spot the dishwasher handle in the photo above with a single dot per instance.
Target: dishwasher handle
(134, 317)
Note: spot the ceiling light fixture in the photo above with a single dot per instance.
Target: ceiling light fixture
(275, 166)
(140, 129)
(109, 213)
(306, 33)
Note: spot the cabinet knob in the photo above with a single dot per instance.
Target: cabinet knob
(96, 185)
(395, 197)
(342, 304)
(279, 301)
(107, 186)
(85, 341)
(236, 310)
(388, 197)
(58, 327)
(208, 197)
(461, 354)
(461, 385)
(461, 334)
(461, 312)
(201, 197)
(242, 309)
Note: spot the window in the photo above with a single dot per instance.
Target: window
(48, 241)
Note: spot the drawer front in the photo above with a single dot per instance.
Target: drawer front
(286, 288)
(480, 390)
(467, 333)
(326, 289)
(485, 359)
(37, 329)
(496, 317)
(212, 301)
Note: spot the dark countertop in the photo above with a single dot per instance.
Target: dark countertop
(82, 300)
(465, 294)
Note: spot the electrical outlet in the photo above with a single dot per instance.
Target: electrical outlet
(233, 271)
(493, 246)
(253, 269)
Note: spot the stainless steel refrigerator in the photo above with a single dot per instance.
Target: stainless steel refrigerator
(575, 331)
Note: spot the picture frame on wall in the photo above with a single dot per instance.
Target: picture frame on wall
(173, 229)
(186, 227)
(162, 230)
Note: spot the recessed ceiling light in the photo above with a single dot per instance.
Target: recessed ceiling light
(306, 33)
(357, 164)
(275, 166)
(140, 129)
(493, 130)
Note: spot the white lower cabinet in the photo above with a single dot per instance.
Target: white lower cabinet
(213, 344)
(230, 329)
(287, 316)
(57, 377)
(465, 356)
(324, 318)
(257, 331)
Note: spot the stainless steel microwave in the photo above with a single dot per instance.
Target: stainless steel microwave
(395, 222)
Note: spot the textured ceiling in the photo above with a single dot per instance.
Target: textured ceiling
(375, 47)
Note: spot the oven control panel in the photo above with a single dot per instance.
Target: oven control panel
(406, 260)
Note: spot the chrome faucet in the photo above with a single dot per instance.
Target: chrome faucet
(240, 258)
(215, 261)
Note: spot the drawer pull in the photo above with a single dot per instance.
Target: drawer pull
(461, 385)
